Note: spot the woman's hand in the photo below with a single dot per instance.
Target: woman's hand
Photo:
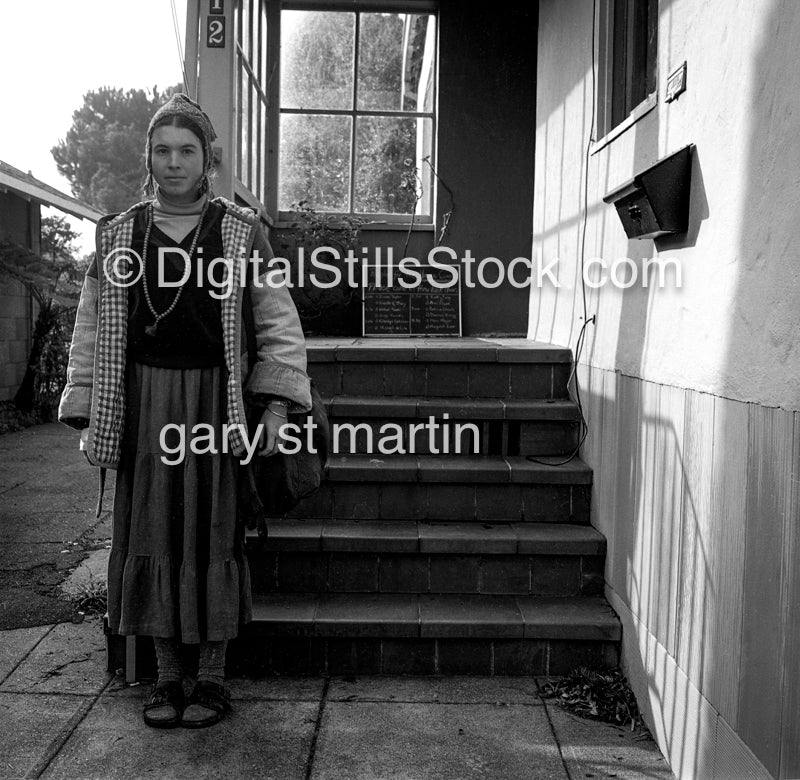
(271, 422)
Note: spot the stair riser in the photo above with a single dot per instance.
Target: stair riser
(445, 436)
(255, 655)
(420, 501)
(514, 381)
(333, 655)
(337, 572)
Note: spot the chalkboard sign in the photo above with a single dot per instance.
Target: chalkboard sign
(390, 309)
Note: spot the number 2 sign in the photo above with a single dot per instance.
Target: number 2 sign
(215, 32)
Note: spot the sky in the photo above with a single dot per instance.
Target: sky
(55, 51)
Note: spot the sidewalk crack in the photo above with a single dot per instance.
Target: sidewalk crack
(556, 740)
(57, 670)
(58, 742)
(9, 489)
(317, 726)
(24, 657)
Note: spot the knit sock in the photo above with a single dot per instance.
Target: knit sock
(211, 667)
(168, 653)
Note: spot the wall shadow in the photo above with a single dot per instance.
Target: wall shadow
(753, 669)
(697, 489)
(764, 332)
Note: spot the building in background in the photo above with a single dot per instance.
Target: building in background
(691, 393)
(21, 199)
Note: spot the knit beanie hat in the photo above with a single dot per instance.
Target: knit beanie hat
(182, 105)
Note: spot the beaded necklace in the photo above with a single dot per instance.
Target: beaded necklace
(150, 330)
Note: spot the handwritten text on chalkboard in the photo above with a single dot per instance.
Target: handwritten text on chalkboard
(430, 308)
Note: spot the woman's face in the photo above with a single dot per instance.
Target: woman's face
(177, 162)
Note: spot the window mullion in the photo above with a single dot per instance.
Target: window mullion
(273, 105)
(434, 184)
(356, 43)
(249, 68)
(361, 113)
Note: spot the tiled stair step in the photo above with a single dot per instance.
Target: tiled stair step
(409, 536)
(443, 634)
(466, 426)
(409, 557)
(384, 407)
(475, 368)
(453, 350)
(434, 616)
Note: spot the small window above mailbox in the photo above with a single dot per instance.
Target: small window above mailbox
(656, 202)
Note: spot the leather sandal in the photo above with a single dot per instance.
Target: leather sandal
(206, 706)
(164, 708)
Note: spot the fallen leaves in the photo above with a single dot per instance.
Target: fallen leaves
(598, 694)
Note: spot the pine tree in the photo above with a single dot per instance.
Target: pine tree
(102, 155)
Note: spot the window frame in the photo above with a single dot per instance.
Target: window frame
(276, 111)
(250, 53)
(612, 95)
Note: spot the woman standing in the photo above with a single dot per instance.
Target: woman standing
(158, 352)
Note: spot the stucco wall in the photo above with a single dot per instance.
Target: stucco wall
(691, 394)
(733, 329)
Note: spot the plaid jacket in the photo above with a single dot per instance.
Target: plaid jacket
(95, 388)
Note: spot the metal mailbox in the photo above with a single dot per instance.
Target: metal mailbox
(655, 202)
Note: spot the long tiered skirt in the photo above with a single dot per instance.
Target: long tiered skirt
(177, 566)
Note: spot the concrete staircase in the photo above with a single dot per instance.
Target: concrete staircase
(448, 559)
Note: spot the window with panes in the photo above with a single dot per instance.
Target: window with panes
(357, 117)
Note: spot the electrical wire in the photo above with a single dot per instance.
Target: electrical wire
(583, 426)
(179, 44)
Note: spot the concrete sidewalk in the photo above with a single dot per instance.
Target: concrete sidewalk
(64, 716)
(48, 497)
